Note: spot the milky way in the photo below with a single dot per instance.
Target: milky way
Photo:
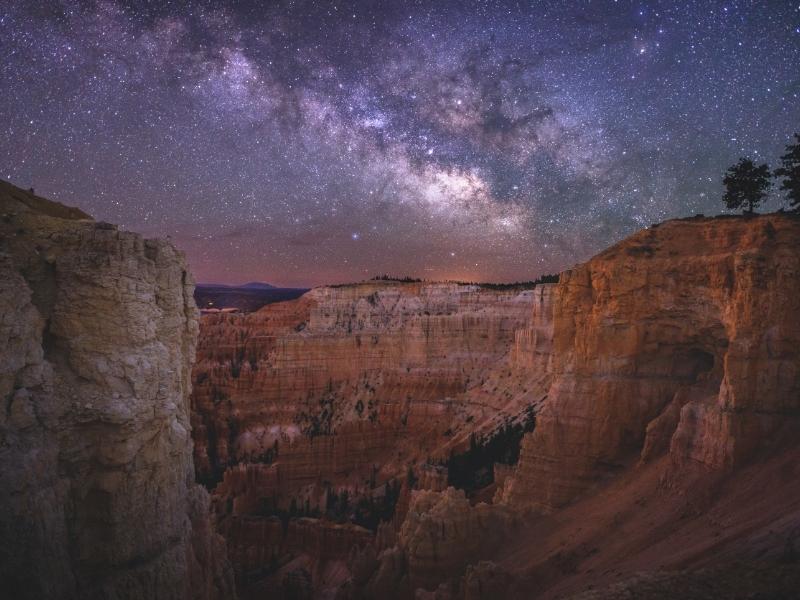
(312, 142)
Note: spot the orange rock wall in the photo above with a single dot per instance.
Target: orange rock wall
(682, 338)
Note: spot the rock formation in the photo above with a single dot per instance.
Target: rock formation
(683, 338)
(97, 340)
(657, 372)
(352, 390)
(655, 391)
(664, 459)
(441, 534)
(390, 355)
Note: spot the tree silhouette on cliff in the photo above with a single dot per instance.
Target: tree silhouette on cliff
(746, 185)
(790, 172)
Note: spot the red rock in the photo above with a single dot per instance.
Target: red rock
(346, 388)
(393, 355)
(696, 316)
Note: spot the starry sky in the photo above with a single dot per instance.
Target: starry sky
(303, 143)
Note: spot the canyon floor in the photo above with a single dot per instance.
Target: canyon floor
(630, 431)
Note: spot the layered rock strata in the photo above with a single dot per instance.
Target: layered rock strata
(683, 339)
(670, 372)
(354, 390)
(655, 369)
(394, 356)
(97, 340)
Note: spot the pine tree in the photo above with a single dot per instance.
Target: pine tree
(790, 171)
(746, 185)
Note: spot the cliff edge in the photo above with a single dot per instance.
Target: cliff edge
(664, 459)
(97, 339)
(682, 339)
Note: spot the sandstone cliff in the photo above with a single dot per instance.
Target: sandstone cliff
(664, 379)
(666, 442)
(97, 338)
(394, 356)
(682, 338)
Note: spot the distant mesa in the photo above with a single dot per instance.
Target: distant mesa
(252, 285)
(258, 285)
(217, 297)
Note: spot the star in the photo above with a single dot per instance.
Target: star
(266, 142)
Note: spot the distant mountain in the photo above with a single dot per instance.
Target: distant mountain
(246, 298)
(252, 285)
(257, 285)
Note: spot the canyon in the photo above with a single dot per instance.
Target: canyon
(657, 375)
(630, 430)
(338, 404)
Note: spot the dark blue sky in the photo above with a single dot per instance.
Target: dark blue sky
(310, 142)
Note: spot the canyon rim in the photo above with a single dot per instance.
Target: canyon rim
(629, 430)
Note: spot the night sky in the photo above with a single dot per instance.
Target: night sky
(302, 143)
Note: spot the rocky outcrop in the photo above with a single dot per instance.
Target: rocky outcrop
(441, 535)
(683, 338)
(652, 370)
(97, 339)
